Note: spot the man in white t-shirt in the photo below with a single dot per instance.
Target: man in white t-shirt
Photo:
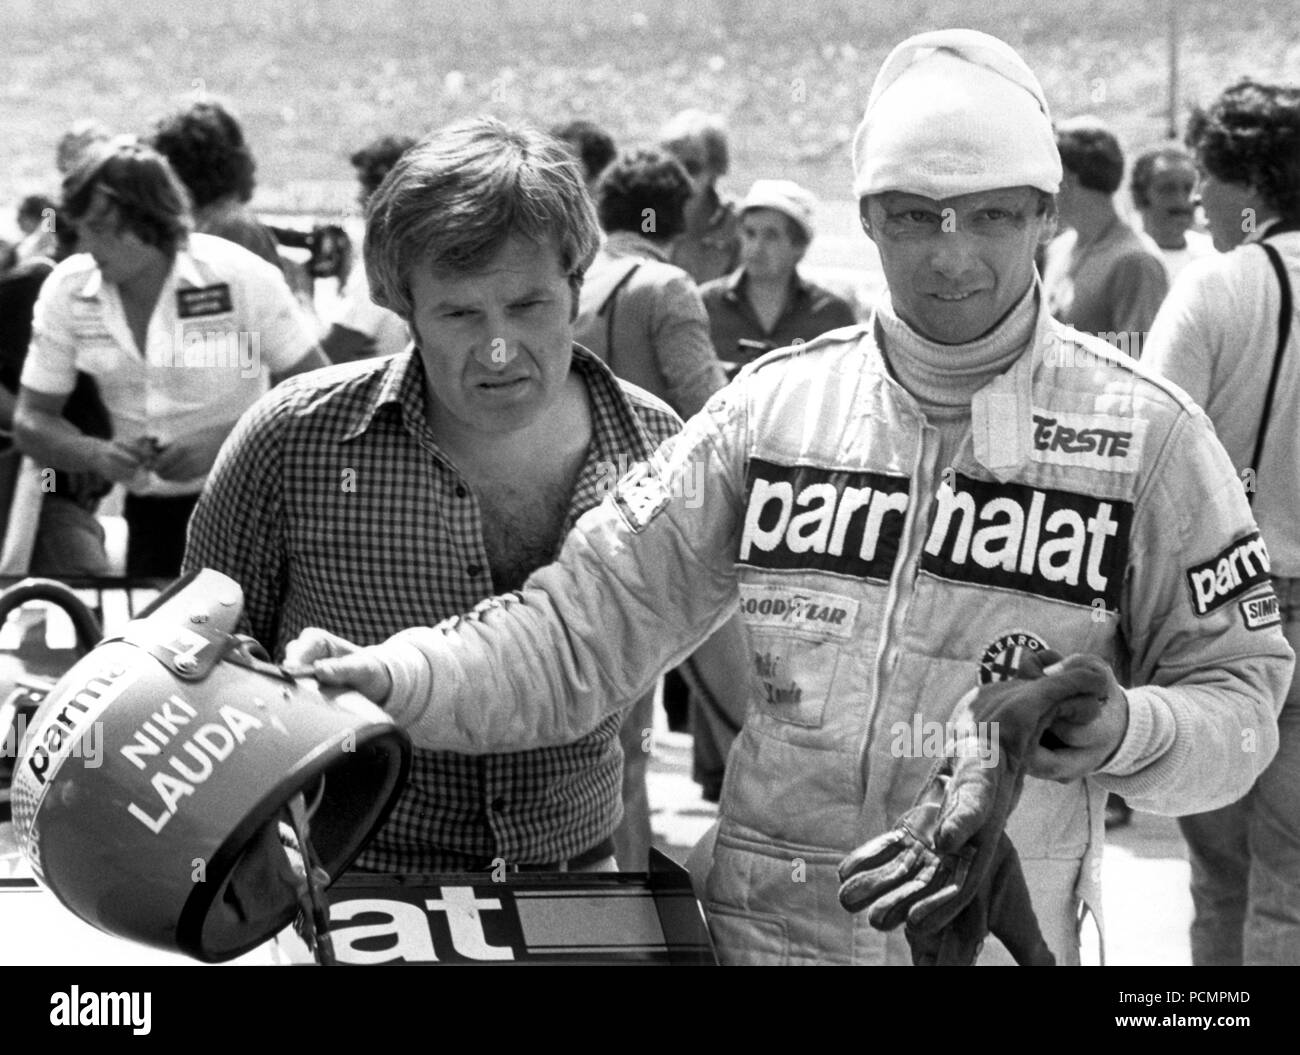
(182, 333)
(1217, 337)
(1162, 183)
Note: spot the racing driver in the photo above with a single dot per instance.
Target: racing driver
(901, 512)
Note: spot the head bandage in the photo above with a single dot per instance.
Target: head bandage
(955, 112)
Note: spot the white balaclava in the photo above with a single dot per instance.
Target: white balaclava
(955, 112)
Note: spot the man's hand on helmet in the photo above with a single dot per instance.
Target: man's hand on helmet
(332, 660)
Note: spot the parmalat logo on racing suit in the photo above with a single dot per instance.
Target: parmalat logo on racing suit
(1226, 576)
(1057, 544)
(803, 517)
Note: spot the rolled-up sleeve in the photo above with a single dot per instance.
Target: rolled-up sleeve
(285, 333)
(51, 365)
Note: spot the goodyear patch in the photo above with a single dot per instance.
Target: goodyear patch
(1057, 544)
(812, 612)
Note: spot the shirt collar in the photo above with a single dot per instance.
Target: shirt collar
(612, 414)
(1262, 231)
(723, 209)
(401, 385)
(734, 285)
(629, 243)
(184, 272)
(94, 283)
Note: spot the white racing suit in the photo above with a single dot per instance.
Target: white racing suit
(1090, 509)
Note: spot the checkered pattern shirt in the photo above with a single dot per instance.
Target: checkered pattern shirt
(332, 506)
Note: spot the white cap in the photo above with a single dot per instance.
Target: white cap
(785, 196)
(954, 112)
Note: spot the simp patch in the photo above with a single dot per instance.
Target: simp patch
(1260, 612)
(640, 497)
(801, 611)
(204, 300)
(1002, 659)
(1227, 575)
(1090, 441)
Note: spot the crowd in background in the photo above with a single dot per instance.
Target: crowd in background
(690, 284)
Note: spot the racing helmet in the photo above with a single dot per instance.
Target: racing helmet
(158, 769)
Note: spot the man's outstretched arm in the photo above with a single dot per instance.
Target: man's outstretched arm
(641, 581)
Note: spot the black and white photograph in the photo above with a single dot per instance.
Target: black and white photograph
(649, 482)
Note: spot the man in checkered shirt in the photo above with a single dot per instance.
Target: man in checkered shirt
(373, 496)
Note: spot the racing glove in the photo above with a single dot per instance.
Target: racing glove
(947, 869)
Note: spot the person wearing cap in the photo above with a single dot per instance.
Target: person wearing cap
(1101, 276)
(902, 513)
(765, 303)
